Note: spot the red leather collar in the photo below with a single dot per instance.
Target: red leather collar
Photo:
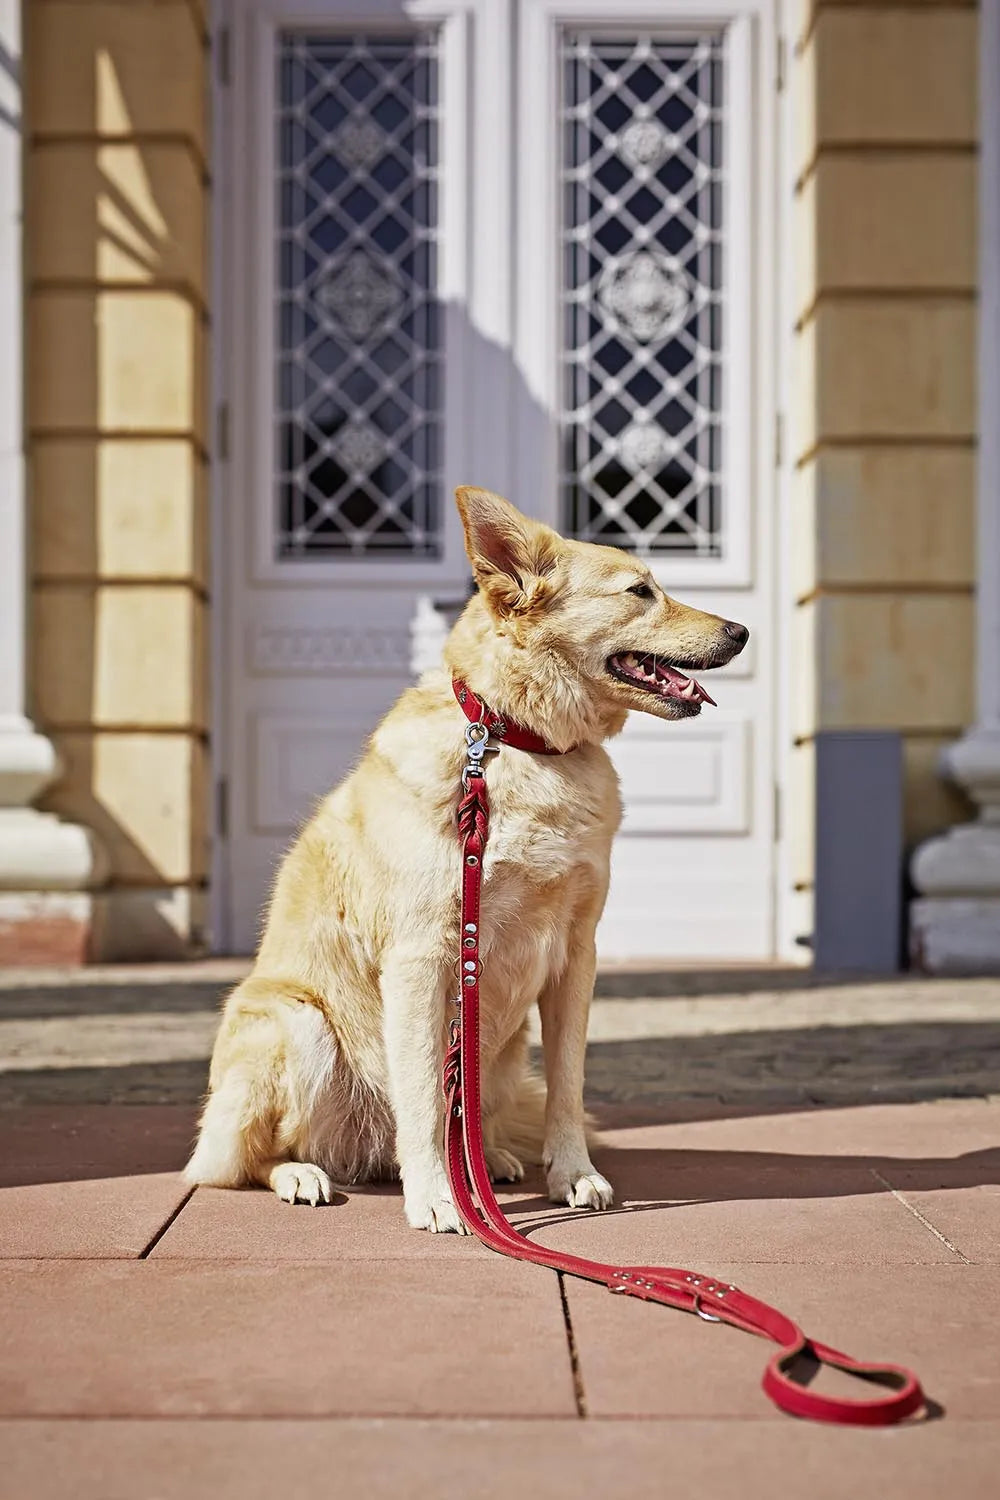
(503, 730)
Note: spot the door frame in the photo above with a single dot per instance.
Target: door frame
(477, 276)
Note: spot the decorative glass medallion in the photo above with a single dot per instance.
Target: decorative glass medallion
(646, 294)
(358, 328)
(359, 142)
(359, 293)
(644, 143)
(642, 174)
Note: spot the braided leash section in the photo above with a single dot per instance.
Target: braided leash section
(709, 1297)
(473, 815)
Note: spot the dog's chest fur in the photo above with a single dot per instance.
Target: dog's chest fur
(551, 826)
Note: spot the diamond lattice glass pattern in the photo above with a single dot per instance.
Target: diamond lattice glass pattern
(358, 380)
(642, 170)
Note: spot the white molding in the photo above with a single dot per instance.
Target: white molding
(332, 652)
(793, 908)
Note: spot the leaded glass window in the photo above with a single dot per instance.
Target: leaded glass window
(358, 327)
(642, 191)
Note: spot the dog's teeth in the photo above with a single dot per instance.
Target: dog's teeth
(630, 660)
(688, 690)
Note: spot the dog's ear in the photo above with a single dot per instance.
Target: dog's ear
(513, 558)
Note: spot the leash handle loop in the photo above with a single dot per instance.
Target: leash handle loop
(709, 1297)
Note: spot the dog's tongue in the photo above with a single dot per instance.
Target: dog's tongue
(654, 674)
(684, 687)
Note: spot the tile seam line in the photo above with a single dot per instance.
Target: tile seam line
(920, 1218)
(384, 1417)
(576, 1371)
(152, 1243)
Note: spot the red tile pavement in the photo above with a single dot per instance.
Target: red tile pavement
(875, 1226)
(940, 1130)
(218, 1339)
(850, 1227)
(89, 1181)
(359, 1223)
(492, 1460)
(937, 1319)
(60, 1142)
(106, 1218)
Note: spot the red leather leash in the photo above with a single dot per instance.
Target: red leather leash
(712, 1299)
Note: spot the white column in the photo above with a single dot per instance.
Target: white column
(955, 927)
(38, 852)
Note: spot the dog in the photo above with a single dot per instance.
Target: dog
(327, 1064)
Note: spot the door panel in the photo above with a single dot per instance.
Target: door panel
(346, 434)
(649, 274)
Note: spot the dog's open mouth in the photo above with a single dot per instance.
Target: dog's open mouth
(654, 675)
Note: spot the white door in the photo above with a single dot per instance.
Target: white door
(495, 244)
(644, 333)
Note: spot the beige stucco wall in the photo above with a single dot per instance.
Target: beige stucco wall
(116, 285)
(883, 428)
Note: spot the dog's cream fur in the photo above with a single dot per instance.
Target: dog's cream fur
(328, 1059)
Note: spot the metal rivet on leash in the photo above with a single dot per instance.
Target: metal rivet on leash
(470, 942)
(470, 926)
(470, 978)
(471, 860)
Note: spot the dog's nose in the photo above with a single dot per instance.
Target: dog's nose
(738, 633)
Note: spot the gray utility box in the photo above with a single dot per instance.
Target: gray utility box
(859, 851)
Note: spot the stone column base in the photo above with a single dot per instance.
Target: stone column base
(955, 935)
(48, 868)
(955, 925)
(45, 928)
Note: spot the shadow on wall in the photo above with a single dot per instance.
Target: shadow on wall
(115, 411)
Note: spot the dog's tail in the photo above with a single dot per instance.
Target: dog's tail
(521, 1123)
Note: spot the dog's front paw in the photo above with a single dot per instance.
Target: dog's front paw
(581, 1189)
(300, 1182)
(504, 1165)
(433, 1211)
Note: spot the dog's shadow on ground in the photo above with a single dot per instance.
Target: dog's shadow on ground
(653, 1178)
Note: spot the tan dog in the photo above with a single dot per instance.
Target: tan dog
(328, 1058)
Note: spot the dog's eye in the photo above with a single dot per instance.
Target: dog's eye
(641, 590)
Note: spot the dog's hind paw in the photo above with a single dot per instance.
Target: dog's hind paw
(301, 1182)
(504, 1165)
(589, 1190)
